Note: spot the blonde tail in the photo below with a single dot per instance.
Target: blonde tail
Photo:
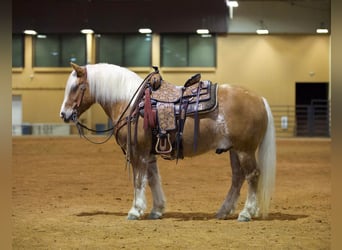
(267, 165)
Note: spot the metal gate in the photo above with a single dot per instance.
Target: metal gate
(314, 119)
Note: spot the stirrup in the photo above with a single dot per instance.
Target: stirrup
(163, 145)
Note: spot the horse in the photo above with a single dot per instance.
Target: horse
(241, 124)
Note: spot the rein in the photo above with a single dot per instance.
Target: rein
(121, 122)
(80, 127)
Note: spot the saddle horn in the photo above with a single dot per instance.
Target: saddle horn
(156, 70)
(156, 79)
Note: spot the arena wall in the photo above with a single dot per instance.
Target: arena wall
(269, 65)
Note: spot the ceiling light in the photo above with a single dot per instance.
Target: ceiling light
(87, 31)
(202, 31)
(232, 3)
(30, 32)
(41, 36)
(145, 31)
(262, 31)
(322, 31)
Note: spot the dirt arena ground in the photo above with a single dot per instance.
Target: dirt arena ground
(70, 194)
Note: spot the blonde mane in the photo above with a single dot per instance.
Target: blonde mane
(111, 83)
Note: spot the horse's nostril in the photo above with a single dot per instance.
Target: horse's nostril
(64, 117)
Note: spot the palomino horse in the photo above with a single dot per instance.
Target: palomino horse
(242, 124)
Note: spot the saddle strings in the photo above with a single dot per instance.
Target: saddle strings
(139, 93)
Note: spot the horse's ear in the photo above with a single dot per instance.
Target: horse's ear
(78, 69)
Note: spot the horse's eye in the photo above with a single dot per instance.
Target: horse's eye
(74, 88)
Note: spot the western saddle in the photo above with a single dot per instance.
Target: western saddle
(165, 106)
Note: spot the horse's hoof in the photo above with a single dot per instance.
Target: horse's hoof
(132, 217)
(243, 218)
(154, 216)
(221, 216)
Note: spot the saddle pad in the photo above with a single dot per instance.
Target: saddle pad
(192, 90)
(207, 103)
(166, 116)
(172, 93)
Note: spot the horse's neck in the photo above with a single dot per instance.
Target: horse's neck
(115, 110)
(123, 93)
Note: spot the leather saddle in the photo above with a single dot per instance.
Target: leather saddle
(165, 107)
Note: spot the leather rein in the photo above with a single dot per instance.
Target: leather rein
(121, 122)
(81, 126)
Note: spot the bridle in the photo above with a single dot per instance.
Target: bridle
(120, 123)
(77, 103)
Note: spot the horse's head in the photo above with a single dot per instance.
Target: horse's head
(77, 98)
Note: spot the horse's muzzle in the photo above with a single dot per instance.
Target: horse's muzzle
(67, 118)
(64, 117)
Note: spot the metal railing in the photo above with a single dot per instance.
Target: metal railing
(55, 129)
(311, 120)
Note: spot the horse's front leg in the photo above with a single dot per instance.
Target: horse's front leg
(156, 189)
(139, 200)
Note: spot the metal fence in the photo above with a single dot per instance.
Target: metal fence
(311, 120)
(41, 129)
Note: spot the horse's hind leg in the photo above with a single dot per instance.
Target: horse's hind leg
(238, 178)
(249, 166)
(157, 191)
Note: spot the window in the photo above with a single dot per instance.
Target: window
(59, 50)
(188, 51)
(17, 50)
(124, 50)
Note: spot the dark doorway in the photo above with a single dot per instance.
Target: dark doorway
(312, 109)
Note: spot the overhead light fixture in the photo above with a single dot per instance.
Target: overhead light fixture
(231, 5)
(42, 36)
(30, 32)
(262, 30)
(202, 31)
(87, 31)
(145, 31)
(322, 29)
